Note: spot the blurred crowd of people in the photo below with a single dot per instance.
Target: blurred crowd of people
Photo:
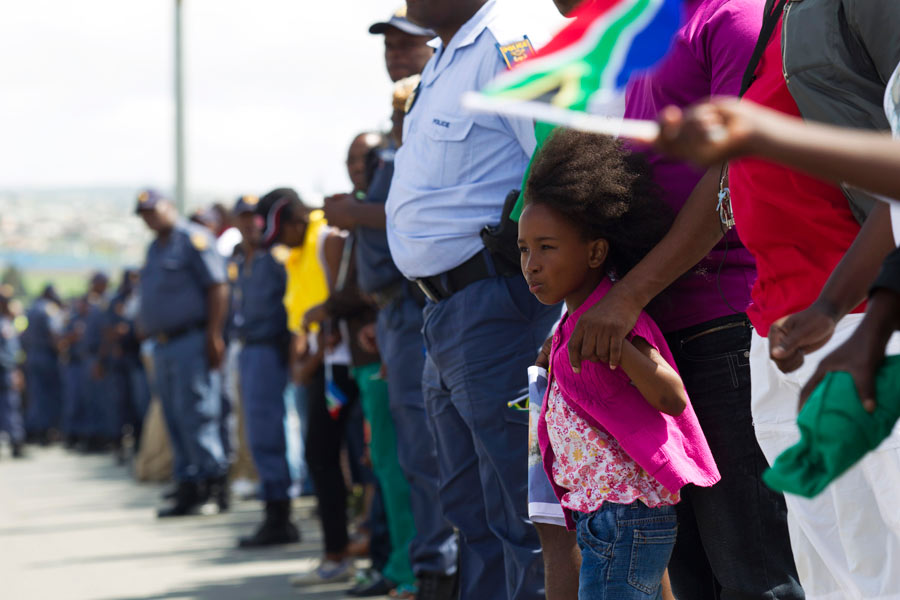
(698, 306)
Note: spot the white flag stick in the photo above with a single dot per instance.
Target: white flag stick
(643, 131)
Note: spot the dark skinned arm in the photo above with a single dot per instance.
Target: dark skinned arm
(600, 332)
(863, 352)
(801, 333)
(721, 129)
(216, 310)
(346, 212)
(654, 378)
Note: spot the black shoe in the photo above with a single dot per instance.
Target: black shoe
(188, 500)
(435, 586)
(276, 529)
(373, 585)
(18, 451)
(170, 493)
(217, 490)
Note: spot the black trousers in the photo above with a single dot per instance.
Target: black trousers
(733, 539)
(324, 439)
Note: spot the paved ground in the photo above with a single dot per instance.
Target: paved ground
(78, 527)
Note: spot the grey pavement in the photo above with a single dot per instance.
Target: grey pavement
(76, 527)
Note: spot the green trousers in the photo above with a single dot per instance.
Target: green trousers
(373, 393)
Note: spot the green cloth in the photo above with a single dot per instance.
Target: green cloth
(836, 431)
(373, 393)
(541, 131)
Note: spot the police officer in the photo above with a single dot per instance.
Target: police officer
(40, 341)
(101, 414)
(184, 300)
(433, 550)
(76, 367)
(10, 376)
(260, 322)
(126, 379)
(482, 327)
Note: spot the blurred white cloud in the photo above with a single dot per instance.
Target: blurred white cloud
(275, 91)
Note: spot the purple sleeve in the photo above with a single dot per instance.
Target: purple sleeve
(725, 41)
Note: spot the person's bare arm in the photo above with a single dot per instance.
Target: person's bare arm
(654, 378)
(600, 332)
(346, 212)
(793, 336)
(722, 129)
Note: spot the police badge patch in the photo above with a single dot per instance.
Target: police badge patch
(516, 52)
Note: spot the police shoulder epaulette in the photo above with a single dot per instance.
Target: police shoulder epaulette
(516, 52)
(280, 253)
(199, 240)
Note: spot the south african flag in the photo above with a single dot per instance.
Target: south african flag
(588, 63)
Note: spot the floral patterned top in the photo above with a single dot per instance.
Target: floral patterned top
(592, 465)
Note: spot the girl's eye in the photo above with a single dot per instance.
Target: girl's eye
(546, 247)
(522, 249)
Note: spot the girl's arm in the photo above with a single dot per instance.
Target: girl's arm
(658, 382)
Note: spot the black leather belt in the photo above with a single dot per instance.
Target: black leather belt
(168, 336)
(442, 286)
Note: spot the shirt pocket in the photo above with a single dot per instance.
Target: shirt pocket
(448, 153)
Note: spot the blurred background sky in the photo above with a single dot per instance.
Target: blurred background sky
(275, 89)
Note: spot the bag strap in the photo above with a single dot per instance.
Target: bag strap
(772, 14)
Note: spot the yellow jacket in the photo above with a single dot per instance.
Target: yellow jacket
(307, 285)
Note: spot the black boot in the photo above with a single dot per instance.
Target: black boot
(436, 586)
(275, 529)
(188, 500)
(217, 490)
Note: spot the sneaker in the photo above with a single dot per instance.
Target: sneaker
(328, 571)
(372, 583)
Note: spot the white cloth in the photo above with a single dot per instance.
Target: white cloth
(228, 241)
(846, 541)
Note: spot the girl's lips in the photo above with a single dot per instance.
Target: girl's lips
(534, 287)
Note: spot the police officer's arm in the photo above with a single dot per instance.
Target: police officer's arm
(217, 309)
(210, 268)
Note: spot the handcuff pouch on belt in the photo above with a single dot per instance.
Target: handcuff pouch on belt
(501, 240)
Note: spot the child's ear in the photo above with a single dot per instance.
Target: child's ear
(598, 249)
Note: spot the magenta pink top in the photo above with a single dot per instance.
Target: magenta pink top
(671, 449)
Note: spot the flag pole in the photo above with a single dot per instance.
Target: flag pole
(180, 190)
(642, 131)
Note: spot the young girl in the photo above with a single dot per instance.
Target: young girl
(617, 445)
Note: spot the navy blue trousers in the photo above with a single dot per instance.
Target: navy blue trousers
(480, 343)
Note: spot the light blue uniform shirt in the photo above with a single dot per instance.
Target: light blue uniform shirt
(455, 168)
(176, 277)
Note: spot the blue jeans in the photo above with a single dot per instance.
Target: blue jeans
(480, 344)
(624, 550)
(434, 548)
